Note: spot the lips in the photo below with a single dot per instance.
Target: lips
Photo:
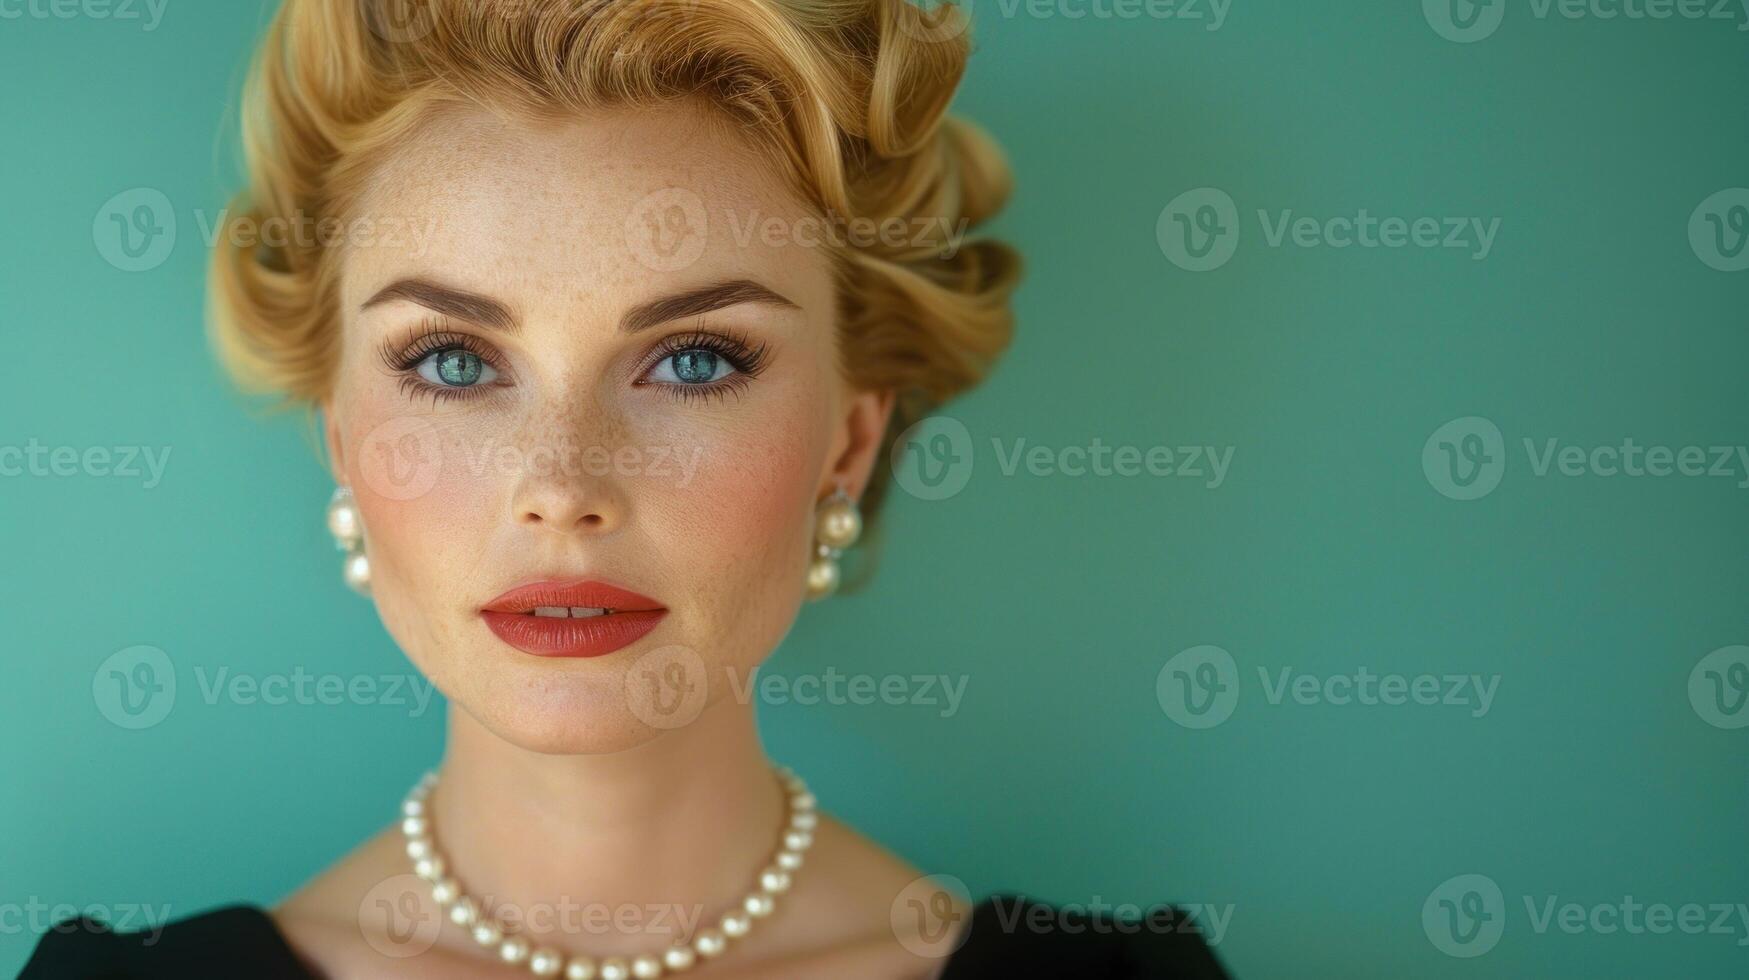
(571, 619)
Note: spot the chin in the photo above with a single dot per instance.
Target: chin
(581, 705)
(559, 709)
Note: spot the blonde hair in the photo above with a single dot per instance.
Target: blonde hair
(848, 98)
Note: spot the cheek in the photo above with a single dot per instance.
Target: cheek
(738, 532)
(426, 506)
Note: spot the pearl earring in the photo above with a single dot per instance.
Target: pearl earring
(837, 525)
(348, 534)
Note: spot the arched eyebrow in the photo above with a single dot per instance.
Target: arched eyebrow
(487, 312)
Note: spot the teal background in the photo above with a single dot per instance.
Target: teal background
(1059, 599)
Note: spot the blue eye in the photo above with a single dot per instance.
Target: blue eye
(691, 367)
(454, 368)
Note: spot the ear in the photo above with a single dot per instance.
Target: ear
(332, 442)
(857, 443)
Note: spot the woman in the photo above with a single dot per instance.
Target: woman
(612, 314)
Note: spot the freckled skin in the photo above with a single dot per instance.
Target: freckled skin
(552, 785)
(535, 215)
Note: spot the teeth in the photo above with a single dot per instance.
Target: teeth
(569, 612)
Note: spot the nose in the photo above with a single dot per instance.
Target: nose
(566, 488)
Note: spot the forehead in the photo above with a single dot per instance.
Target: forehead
(600, 208)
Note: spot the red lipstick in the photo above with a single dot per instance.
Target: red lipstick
(571, 619)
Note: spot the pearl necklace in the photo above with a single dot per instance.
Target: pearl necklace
(545, 961)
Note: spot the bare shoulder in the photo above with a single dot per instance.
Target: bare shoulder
(864, 897)
(363, 917)
(861, 874)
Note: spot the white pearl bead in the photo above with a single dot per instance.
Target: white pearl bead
(549, 962)
(343, 520)
(357, 571)
(546, 962)
(822, 578)
(709, 943)
(838, 525)
(513, 950)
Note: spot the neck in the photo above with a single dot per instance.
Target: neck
(665, 834)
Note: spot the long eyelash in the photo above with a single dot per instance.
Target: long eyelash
(732, 346)
(402, 355)
(748, 360)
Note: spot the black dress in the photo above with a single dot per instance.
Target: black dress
(1004, 941)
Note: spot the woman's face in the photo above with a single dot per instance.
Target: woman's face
(589, 351)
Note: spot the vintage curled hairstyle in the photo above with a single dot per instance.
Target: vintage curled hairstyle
(847, 98)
